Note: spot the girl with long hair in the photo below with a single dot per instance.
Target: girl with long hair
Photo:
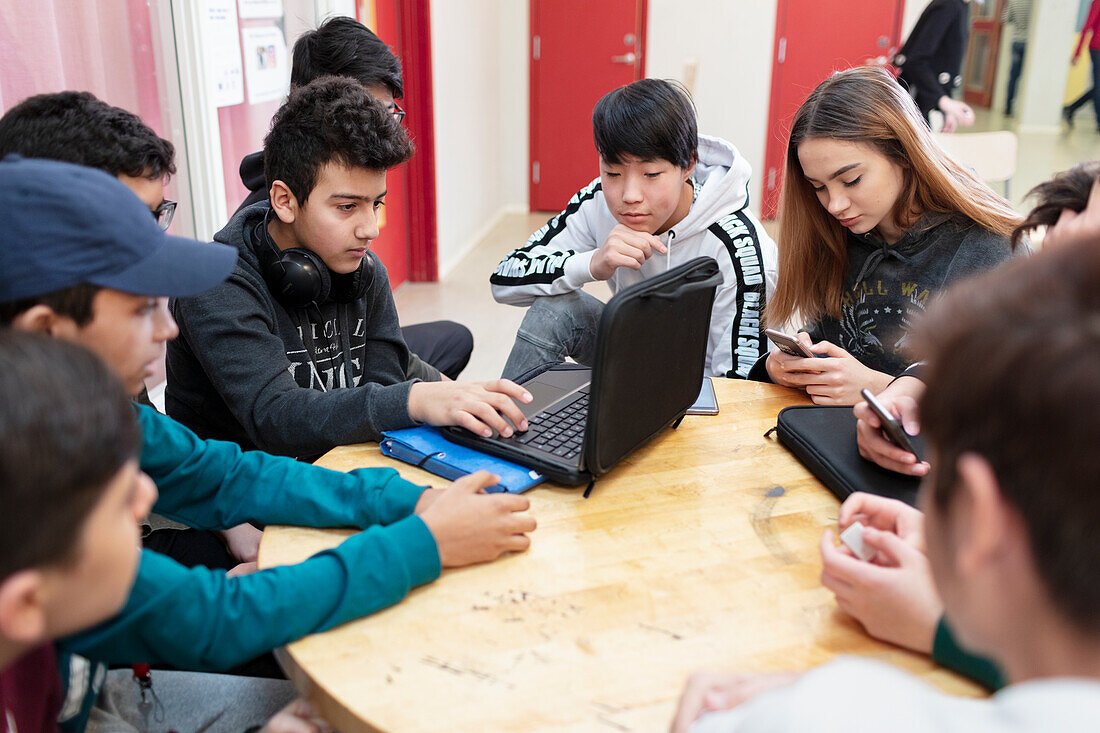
(876, 219)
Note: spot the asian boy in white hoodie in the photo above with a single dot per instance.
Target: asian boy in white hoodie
(665, 195)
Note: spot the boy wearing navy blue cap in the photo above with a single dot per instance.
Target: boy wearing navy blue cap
(69, 228)
(76, 127)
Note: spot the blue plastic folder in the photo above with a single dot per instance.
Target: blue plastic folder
(427, 448)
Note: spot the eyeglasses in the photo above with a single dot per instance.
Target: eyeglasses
(396, 111)
(164, 213)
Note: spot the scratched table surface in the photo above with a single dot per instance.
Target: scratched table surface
(699, 551)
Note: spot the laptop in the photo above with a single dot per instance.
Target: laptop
(648, 369)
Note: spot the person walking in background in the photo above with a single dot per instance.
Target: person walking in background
(931, 58)
(1092, 25)
(1017, 13)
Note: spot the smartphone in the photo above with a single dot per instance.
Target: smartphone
(891, 427)
(707, 403)
(789, 344)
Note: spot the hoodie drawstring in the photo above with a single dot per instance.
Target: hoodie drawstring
(876, 257)
(345, 343)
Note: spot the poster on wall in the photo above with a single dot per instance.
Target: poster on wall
(222, 52)
(266, 64)
(261, 8)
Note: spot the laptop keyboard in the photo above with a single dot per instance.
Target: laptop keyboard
(561, 432)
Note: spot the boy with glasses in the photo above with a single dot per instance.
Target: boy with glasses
(78, 128)
(343, 46)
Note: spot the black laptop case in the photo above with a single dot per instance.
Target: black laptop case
(823, 439)
(648, 368)
(650, 356)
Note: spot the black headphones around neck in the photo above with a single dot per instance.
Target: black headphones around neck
(299, 277)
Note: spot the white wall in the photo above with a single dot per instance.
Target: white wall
(515, 80)
(732, 41)
(1054, 27)
(479, 88)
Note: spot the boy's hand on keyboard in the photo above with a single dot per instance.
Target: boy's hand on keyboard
(471, 526)
(476, 406)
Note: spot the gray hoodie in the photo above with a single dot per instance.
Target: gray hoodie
(888, 287)
(289, 381)
(719, 225)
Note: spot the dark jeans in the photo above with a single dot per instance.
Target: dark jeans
(1018, 48)
(446, 345)
(1094, 93)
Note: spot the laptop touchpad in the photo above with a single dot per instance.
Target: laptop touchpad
(549, 387)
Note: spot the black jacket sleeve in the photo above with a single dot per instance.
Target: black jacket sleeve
(931, 50)
(231, 333)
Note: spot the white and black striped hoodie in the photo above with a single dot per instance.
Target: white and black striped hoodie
(556, 258)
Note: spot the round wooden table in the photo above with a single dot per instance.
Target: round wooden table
(699, 551)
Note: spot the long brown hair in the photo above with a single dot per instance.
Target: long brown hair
(865, 105)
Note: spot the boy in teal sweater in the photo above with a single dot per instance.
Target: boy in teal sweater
(81, 259)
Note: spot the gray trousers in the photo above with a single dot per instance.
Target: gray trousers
(187, 701)
(556, 327)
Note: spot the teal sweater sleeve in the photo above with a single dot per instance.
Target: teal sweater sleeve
(199, 619)
(947, 652)
(213, 484)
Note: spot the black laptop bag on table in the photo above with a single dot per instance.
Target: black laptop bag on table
(823, 439)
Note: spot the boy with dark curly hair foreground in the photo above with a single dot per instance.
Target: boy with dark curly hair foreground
(1011, 522)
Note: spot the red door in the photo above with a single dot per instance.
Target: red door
(407, 241)
(580, 50)
(980, 65)
(813, 38)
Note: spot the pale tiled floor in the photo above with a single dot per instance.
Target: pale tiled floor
(1041, 155)
(464, 295)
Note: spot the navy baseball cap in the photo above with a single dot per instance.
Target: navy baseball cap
(64, 224)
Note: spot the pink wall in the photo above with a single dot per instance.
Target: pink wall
(243, 127)
(103, 48)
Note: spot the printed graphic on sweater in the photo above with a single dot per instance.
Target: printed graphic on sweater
(876, 317)
(324, 366)
(532, 263)
(739, 236)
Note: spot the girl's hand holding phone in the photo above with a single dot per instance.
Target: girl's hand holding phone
(781, 364)
(835, 380)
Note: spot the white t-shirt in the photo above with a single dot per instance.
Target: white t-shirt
(850, 695)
